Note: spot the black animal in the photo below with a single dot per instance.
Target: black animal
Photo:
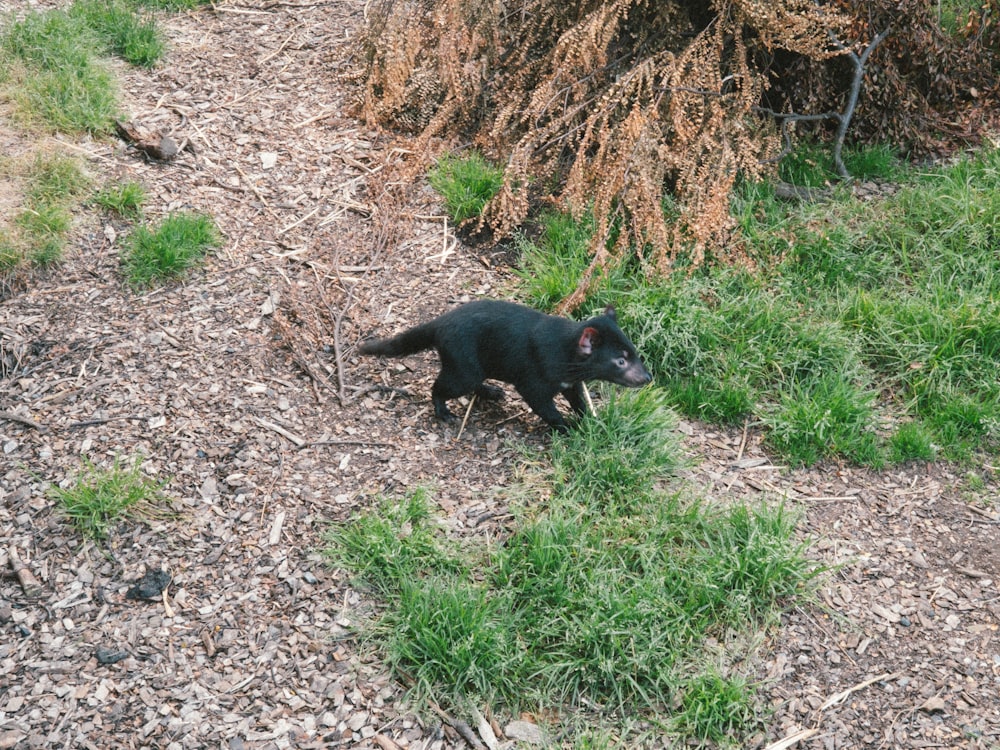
(541, 355)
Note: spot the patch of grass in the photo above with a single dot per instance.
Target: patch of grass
(811, 164)
(53, 67)
(827, 417)
(858, 315)
(56, 76)
(99, 498)
(11, 255)
(54, 178)
(602, 597)
(551, 264)
(127, 32)
(178, 244)
(44, 221)
(874, 162)
(396, 543)
(173, 4)
(466, 183)
(125, 199)
(53, 183)
(911, 441)
(716, 709)
(616, 461)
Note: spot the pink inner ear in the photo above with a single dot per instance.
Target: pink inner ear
(586, 345)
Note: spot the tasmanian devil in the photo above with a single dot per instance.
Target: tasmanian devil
(540, 355)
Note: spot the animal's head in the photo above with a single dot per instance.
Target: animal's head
(608, 353)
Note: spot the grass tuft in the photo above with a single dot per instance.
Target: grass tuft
(465, 183)
(828, 417)
(398, 542)
(167, 252)
(911, 441)
(716, 709)
(126, 32)
(99, 498)
(52, 185)
(125, 199)
(618, 459)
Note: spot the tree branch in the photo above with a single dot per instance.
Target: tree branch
(843, 117)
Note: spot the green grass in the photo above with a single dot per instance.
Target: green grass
(811, 164)
(599, 602)
(167, 252)
(870, 331)
(174, 5)
(125, 199)
(52, 62)
(98, 499)
(125, 31)
(465, 183)
(37, 234)
(57, 78)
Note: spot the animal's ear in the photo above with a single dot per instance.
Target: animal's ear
(610, 312)
(588, 340)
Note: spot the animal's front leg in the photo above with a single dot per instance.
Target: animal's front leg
(542, 404)
(574, 394)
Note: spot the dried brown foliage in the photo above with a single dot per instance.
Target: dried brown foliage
(615, 106)
(931, 86)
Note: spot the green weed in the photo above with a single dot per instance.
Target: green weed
(99, 498)
(167, 252)
(465, 183)
(125, 199)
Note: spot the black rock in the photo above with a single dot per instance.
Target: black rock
(109, 655)
(150, 586)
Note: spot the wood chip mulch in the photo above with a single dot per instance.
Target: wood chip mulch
(219, 625)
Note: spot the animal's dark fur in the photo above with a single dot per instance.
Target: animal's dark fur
(540, 355)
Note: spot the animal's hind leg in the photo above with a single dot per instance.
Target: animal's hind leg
(451, 383)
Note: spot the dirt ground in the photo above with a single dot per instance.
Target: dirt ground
(241, 390)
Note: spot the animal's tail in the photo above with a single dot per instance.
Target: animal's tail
(408, 342)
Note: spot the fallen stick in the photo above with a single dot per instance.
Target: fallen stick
(468, 411)
(25, 577)
(842, 696)
(298, 442)
(12, 417)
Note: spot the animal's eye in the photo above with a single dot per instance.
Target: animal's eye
(621, 362)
